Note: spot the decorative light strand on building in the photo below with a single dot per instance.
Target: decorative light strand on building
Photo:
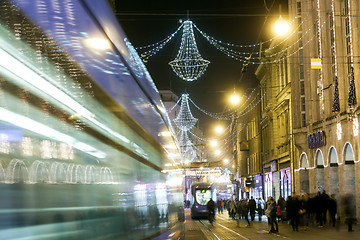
(336, 103)
(320, 82)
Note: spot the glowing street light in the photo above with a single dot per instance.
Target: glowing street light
(219, 129)
(281, 26)
(234, 99)
(213, 143)
(217, 152)
(226, 161)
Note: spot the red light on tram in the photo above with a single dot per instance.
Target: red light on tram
(209, 186)
(197, 186)
(196, 206)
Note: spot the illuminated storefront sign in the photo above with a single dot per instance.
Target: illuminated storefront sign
(316, 139)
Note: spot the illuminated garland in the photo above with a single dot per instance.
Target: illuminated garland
(188, 64)
(156, 47)
(185, 120)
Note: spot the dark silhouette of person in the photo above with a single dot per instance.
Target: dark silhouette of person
(252, 208)
(292, 211)
(211, 208)
(272, 216)
(348, 202)
(332, 206)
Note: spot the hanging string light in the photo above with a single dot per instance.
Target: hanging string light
(185, 120)
(188, 64)
(156, 47)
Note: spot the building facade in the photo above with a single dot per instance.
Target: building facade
(324, 105)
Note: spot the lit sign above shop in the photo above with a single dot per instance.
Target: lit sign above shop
(316, 139)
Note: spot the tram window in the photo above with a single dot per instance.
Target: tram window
(203, 196)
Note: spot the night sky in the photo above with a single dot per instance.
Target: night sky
(143, 26)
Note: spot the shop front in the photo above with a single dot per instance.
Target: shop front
(285, 182)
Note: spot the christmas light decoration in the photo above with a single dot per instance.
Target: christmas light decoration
(352, 94)
(355, 126)
(336, 104)
(188, 64)
(320, 82)
(156, 47)
(185, 120)
(338, 131)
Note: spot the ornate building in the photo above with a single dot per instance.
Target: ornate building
(324, 68)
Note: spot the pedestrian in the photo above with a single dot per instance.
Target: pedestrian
(218, 205)
(278, 213)
(332, 207)
(303, 211)
(211, 209)
(222, 206)
(260, 211)
(349, 210)
(252, 208)
(239, 212)
(272, 215)
(267, 207)
(245, 210)
(292, 211)
(232, 209)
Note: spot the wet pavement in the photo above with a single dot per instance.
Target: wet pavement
(225, 228)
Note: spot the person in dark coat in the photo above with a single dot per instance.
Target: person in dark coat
(272, 216)
(348, 202)
(211, 208)
(260, 211)
(245, 210)
(292, 211)
(323, 205)
(252, 208)
(332, 206)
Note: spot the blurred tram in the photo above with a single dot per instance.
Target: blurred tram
(81, 128)
(202, 192)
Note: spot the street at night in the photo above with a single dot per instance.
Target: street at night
(181, 120)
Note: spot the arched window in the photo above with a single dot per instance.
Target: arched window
(333, 158)
(319, 159)
(348, 154)
(304, 163)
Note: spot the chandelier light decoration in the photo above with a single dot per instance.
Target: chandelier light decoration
(185, 120)
(188, 64)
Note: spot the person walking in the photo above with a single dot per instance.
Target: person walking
(211, 209)
(349, 210)
(218, 205)
(332, 206)
(232, 209)
(260, 211)
(272, 215)
(252, 208)
(245, 210)
(292, 211)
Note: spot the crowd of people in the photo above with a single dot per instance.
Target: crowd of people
(299, 211)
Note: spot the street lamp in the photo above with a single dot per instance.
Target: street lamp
(281, 26)
(213, 143)
(234, 99)
(219, 129)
